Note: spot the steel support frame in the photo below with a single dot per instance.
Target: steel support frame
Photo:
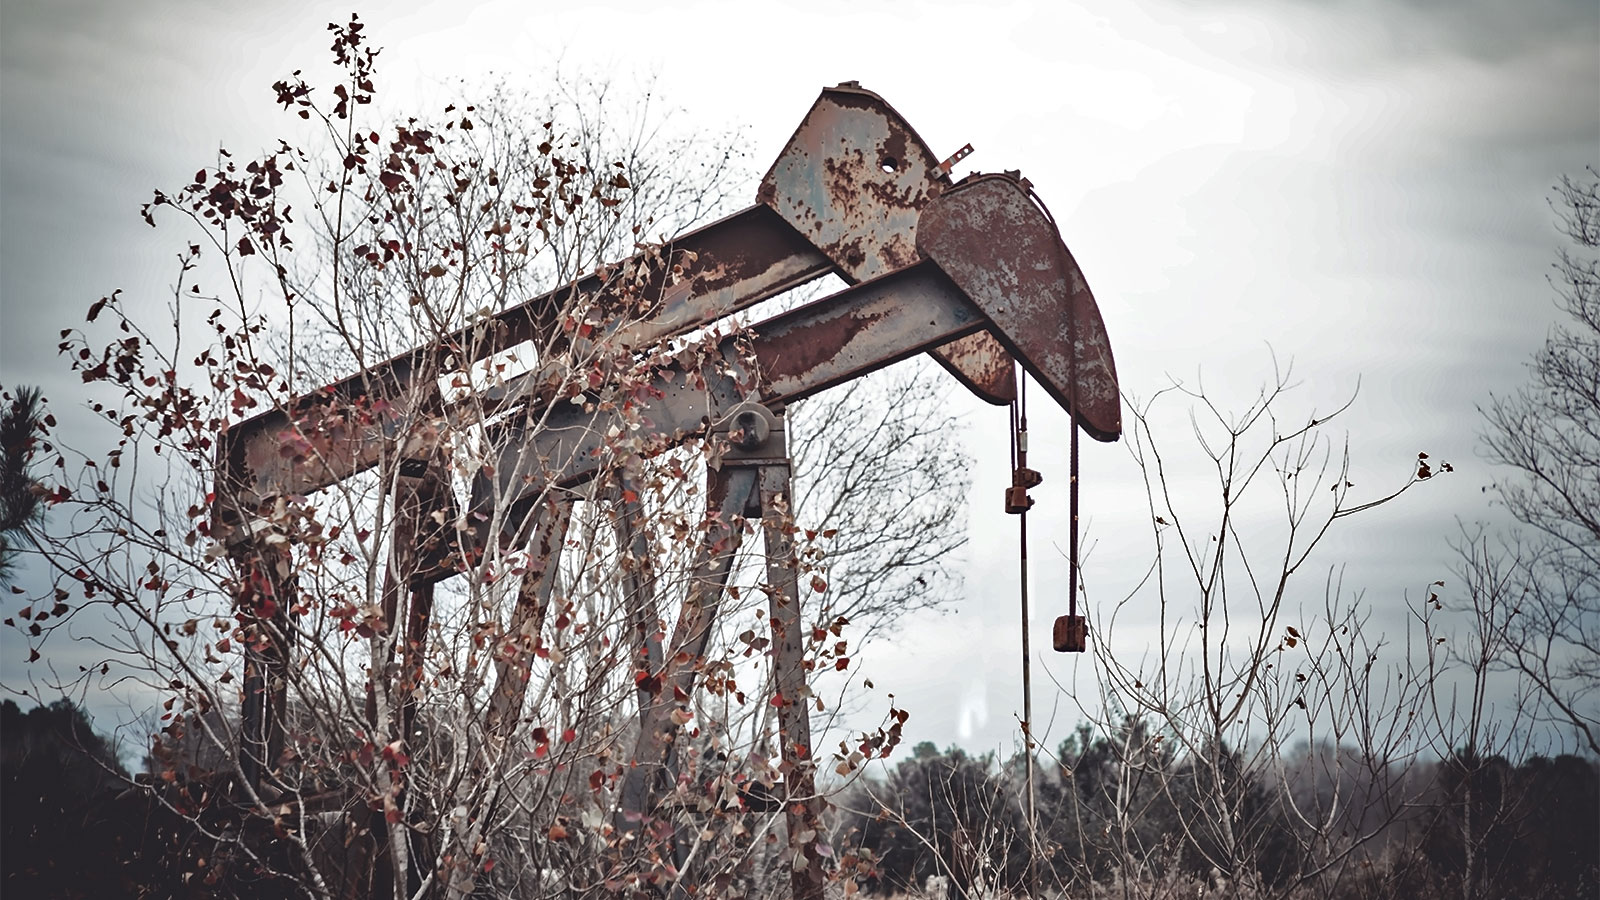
(753, 481)
(991, 264)
(802, 806)
(265, 590)
(730, 494)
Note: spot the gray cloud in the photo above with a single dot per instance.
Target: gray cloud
(1486, 30)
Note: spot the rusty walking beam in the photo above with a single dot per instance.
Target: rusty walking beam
(342, 429)
(1025, 288)
(845, 195)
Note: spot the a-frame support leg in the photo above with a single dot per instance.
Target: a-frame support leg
(522, 636)
(730, 493)
(793, 700)
(265, 591)
(754, 480)
(639, 577)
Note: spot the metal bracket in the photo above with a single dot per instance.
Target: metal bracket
(1017, 499)
(943, 169)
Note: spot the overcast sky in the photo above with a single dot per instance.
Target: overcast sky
(1359, 186)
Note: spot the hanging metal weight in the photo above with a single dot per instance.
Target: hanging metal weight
(1017, 499)
(1071, 634)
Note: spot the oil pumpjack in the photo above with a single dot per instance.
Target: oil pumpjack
(972, 272)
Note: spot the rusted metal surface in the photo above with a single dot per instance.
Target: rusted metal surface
(855, 332)
(971, 273)
(730, 493)
(982, 365)
(846, 193)
(790, 632)
(800, 353)
(1028, 284)
(1070, 634)
(394, 408)
(738, 261)
(520, 641)
(854, 180)
(422, 503)
(993, 242)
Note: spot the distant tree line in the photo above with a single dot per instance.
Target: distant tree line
(76, 824)
(937, 824)
(1114, 812)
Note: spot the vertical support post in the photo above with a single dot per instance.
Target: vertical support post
(423, 510)
(265, 592)
(640, 578)
(419, 612)
(522, 635)
(729, 493)
(801, 804)
(396, 581)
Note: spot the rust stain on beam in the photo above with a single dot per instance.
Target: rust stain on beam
(395, 408)
(800, 353)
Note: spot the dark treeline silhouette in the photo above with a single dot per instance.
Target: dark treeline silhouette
(1120, 814)
(1117, 812)
(58, 783)
(76, 825)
